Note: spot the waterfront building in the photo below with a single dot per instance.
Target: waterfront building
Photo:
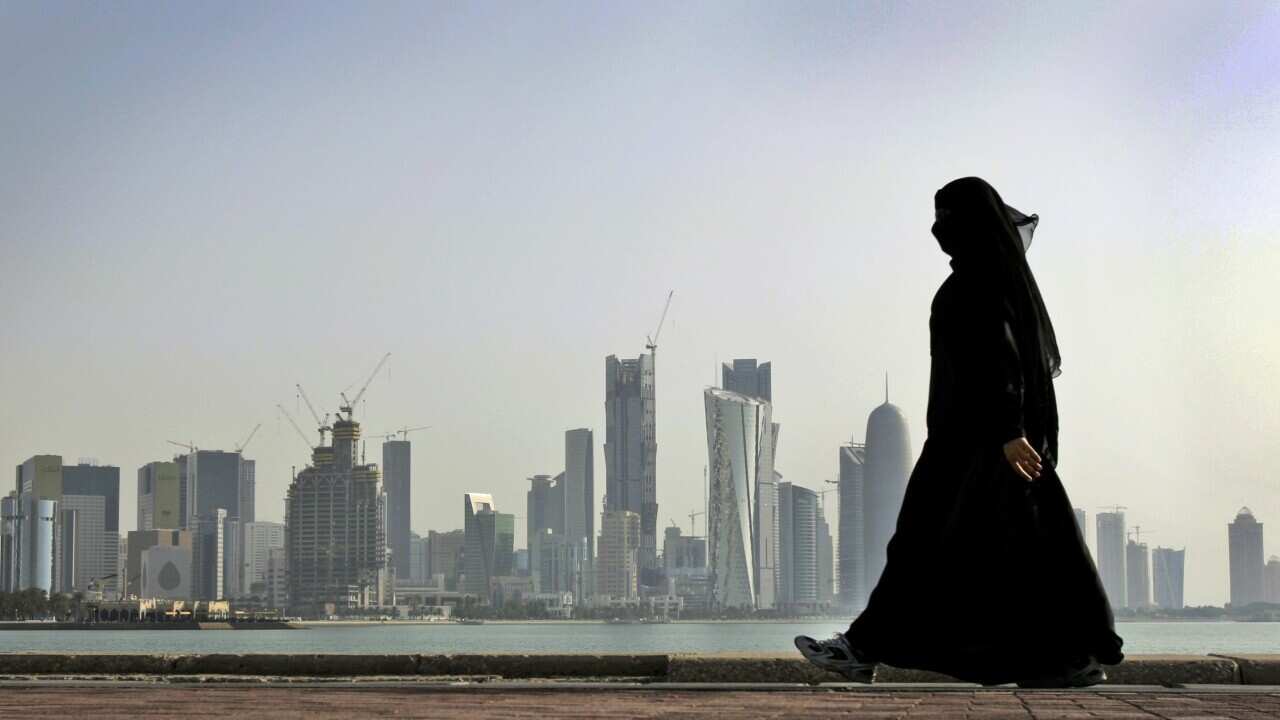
(159, 496)
(165, 572)
(745, 377)
(335, 529)
(1271, 581)
(258, 539)
(1244, 546)
(1111, 539)
(277, 578)
(851, 488)
(10, 541)
(544, 513)
(444, 556)
(139, 541)
(798, 547)
(1137, 564)
(887, 469)
(579, 491)
(826, 561)
(489, 550)
(65, 535)
(209, 547)
(397, 474)
(631, 450)
(742, 526)
(1167, 573)
(618, 566)
(248, 490)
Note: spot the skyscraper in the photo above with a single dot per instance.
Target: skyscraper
(745, 377)
(853, 529)
(1137, 564)
(1244, 545)
(544, 512)
(1167, 577)
(92, 492)
(444, 556)
(742, 521)
(1110, 539)
(798, 550)
(248, 489)
(1081, 523)
(72, 543)
(631, 450)
(209, 547)
(579, 491)
(396, 476)
(826, 561)
(212, 479)
(335, 531)
(159, 496)
(10, 541)
(1271, 580)
(258, 539)
(888, 467)
(617, 568)
(489, 551)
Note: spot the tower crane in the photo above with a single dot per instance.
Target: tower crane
(301, 434)
(321, 425)
(693, 528)
(651, 343)
(348, 405)
(402, 432)
(189, 446)
(240, 448)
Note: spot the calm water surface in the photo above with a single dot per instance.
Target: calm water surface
(1140, 638)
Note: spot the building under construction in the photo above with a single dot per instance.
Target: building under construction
(335, 529)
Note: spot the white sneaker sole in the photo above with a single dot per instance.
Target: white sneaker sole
(853, 672)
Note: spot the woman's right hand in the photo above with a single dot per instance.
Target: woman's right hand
(1024, 458)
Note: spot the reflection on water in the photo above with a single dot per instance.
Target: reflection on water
(1140, 638)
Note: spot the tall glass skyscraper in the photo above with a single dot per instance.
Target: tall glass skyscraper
(887, 470)
(396, 473)
(1167, 566)
(1110, 539)
(742, 526)
(631, 450)
(1244, 545)
(852, 558)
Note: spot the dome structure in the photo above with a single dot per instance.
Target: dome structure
(887, 471)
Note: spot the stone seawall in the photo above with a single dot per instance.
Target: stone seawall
(1168, 670)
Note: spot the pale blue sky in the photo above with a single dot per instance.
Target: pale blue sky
(201, 204)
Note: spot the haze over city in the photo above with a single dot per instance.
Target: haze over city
(195, 216)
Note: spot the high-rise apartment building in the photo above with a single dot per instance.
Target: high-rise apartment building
(742, 524)
(335, 529)
(617, 566)
(745, 377)
(159, 496)
(209, 547)
(852, 575)
(489, 552)
(1244, 546)
(1137, 564)
(798, 547)
(826, 561)
(1167, 572)
(1271, 581)
(1111, 539)
(444, 556)
(631, 450)
(257, 541)
(248, 490)
(579, 487)
(396, 477)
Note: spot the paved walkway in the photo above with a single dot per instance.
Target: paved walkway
(47, 699)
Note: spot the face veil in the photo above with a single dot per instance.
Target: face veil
(986, 237)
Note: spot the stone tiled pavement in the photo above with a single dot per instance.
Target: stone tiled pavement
(320, 701)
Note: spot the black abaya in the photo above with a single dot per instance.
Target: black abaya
(988, 578)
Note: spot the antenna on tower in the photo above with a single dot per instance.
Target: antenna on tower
(886, 387)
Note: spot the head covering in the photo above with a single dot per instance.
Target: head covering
(988, 238)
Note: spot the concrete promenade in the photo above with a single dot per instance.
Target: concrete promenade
(515, 685)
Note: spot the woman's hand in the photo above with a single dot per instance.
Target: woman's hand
(1024, 458)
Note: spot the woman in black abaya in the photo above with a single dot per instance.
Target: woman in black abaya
(988, 578)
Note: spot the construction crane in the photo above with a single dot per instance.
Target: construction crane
(321, 425)
(301, 434)
(349, 405)
(1113, 508)
(822, 494)
(189, 446)
(651, 343)
(693, 529)
(240, 448)
(402, 432)
(1137, 533)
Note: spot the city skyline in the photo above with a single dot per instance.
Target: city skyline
(495, 196)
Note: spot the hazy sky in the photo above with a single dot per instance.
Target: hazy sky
(204, 203)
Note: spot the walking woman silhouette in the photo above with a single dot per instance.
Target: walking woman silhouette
(988, 578)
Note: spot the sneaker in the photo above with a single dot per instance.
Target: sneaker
(835, 655)
(1091, 673)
